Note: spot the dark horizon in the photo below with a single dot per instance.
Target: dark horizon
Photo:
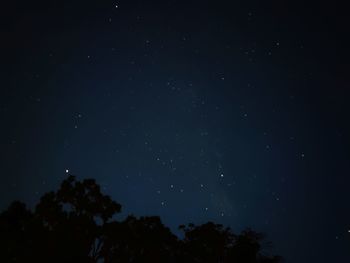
(77, 223)
(231, 112)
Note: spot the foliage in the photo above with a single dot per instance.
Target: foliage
(75, 224)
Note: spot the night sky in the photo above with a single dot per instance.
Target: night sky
(231, 111)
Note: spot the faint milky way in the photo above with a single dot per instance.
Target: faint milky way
(234, 112)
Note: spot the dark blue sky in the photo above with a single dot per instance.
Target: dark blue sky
(191, 110)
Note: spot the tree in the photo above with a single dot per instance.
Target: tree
(139, 240)
(212, 242)
(207, 243)
(75, 224)
(75, 217)
(15, 229)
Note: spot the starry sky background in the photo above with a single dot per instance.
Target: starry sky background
(232, 111)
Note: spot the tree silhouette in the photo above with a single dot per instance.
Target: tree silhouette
(139, 240)
(15, 228)
(75, 224)
(75, 217)
(212, 242)
(206, 243)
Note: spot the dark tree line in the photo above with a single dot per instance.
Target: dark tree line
(75, 224)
